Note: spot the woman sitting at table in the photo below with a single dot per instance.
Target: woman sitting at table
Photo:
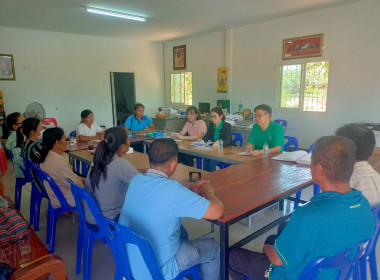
(138, 122)
(110, 174)
(57, 167)
(31, 148)
(13, 122)
(194, 130)
(217, 130)
(88, 129)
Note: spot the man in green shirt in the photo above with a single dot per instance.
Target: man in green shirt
(265, 131)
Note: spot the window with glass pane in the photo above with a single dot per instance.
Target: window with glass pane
(182, 88)
(304, 86)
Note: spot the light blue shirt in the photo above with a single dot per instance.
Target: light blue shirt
(154, 206)
(135, 124)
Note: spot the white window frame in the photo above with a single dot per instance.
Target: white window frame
(302, 88)
(170, 92)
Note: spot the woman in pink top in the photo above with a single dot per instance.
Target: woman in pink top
(193, 130)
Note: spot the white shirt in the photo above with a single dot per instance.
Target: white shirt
(367, 180)
(83, 129)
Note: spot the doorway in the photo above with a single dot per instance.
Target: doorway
(123, 96)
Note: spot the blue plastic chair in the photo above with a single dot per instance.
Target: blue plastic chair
(53, 213)
(283, 123)
(344, 262)
(292, 141)
(118, 236)
(35, 197)
(86, 236)
(370, 253)
(81, 168)
(20, 182)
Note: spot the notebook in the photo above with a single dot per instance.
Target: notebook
(302, 157)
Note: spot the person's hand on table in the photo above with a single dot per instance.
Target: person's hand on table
(195, 186)
(206, 189)
(100, 136)
(176, 135)
(256, 153)
(215, 146)
(248, 147)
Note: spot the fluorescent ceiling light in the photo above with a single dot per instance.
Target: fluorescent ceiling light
(113, 13)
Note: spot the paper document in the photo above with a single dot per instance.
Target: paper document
(296, 156)
(203, 148)
(245, 153)
(198, 143)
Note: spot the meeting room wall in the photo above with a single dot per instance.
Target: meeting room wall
(351, 45)
(67, 73)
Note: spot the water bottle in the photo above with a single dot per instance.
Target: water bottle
(220, 149)
(265, 149)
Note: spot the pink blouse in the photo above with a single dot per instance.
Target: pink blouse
(192, 130)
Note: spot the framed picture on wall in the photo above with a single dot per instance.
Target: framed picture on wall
(299, 47)
(179, 57)
(7, 67)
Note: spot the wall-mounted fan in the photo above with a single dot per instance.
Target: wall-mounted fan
(35, 110)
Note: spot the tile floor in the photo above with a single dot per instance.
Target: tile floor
(102, 261)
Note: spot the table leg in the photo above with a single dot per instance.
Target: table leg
(224, 247)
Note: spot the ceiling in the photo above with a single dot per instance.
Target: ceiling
(167, 19)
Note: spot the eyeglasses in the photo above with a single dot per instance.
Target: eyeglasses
(259, 116)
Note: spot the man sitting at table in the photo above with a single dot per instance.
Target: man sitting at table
(265, 131)
(334, 220)
(155, 206)
(364, 178)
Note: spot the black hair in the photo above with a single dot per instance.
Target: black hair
(51, 135)
(195, 110)
(336, 155)
(219, 111)
(162, 150)
(84, 114)
(8, 124)
(265, 108)
(137, 105)
(362, 136)
(28, 125)
(105, 152)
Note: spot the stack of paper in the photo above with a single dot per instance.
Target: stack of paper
(297, 156)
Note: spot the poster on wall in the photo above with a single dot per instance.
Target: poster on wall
(179, 57)
(222, 79)
(299, 47)
(7, 67)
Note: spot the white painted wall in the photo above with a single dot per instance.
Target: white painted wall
(352, 41)
(67, 73)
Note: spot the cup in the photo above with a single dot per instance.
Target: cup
(90, 145)
(23, 250)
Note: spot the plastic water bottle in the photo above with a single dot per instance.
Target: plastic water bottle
(265, 149)
(220, 149)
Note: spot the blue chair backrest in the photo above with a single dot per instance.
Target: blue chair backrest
(28, 166)
(43, 176)
(373, 241)
(283, 123)
(311, 148)
(238, 138)
(73, 133)
(343, 262)
(81, 196)
(292, 141)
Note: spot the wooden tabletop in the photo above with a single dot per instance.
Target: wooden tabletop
(83, 145)
(253, 184)
(230, 153)
(141, 162)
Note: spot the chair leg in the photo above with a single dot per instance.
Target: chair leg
(199, 162)
(88, 246)
(298, 196)
(79, 248)
(52, 221)
(372, 266)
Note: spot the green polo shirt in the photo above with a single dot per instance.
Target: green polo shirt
(329, 224)
(273, 135)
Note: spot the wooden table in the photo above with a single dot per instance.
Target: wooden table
(230, 153)
(83, 145)
(141, 162)
(250, 187)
